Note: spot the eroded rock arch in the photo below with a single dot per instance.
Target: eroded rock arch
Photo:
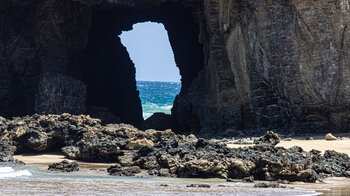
(272, 64)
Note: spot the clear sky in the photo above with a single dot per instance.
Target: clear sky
(150, 50)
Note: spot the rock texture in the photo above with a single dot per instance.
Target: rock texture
(164, 153)
(7, 150)
(64, 166)
(244, 64)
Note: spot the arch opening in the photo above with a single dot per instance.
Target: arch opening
(157, 76)
(110, 74)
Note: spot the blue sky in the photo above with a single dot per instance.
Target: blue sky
(150, 50)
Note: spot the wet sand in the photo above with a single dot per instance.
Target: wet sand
(49, 158)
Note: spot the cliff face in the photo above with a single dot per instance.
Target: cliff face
(244, 64)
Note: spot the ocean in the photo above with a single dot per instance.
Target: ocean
(157, 96)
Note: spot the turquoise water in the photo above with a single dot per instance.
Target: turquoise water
(157, 96)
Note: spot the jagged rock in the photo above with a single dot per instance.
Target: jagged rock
(267, 185)
(202, 168)
(270, 138)
(118, 170)
(64, 166)
(329, 136)
(84, 138)
(93, 150)
(137, 144)
(238, 168)
(7, 150)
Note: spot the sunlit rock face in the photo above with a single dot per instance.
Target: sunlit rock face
(244, 64)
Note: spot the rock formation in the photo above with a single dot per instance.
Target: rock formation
(244, 64)
(64, 166)
(163, 153)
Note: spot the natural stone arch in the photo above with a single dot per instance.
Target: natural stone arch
(267, 64)
(110, 76)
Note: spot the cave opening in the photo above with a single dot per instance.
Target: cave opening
(157, 76)
(109, 73)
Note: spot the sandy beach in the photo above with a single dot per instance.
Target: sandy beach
(322, 145)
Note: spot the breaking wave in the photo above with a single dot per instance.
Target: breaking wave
(157, 96)
(8, 172)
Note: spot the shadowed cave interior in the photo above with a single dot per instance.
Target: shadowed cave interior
(110, 73)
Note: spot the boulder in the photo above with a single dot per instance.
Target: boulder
(270, 138)
(330, 137)
(267, 185)
(118, 170)
(64, 166)
(93, 150)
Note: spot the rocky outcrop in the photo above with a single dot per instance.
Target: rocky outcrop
(164, 153)
(244, 64)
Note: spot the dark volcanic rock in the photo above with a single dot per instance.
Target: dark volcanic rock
(104, 114)
(158, 121)
(93, 150)
(7, 150)
(164, 153)
(270, 138)
(118, 170)
(199, 185)
(244, 64)
(267, 185)
(59, 93)
(64, 166)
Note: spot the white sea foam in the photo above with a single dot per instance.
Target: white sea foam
(150, 108)
(167, 107)
(8, 172)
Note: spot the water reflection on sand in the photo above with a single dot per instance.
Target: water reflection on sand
(98, 183)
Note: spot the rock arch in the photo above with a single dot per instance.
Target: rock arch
(271, 64)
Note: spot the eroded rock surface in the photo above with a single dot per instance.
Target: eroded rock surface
(7, 150)
(244, 64)
(164, 153)
(64, 166)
